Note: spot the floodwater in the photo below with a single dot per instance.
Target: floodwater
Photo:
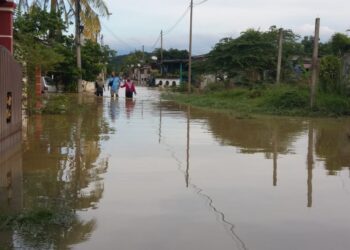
(151, 175)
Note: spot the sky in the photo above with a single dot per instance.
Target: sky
(137, 23)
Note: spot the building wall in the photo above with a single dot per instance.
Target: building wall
(167, 82)
(10, 100)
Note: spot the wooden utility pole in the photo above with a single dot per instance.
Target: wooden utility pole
(78, 43)
(143, 53)
(161, 52)
(314, 75)
(279, 61)
(190, 53)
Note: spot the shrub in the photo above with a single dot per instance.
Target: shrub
(330, 74)
(215, 86)
(287, 98)
(332, 104)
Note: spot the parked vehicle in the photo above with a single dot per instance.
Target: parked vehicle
(48, 85)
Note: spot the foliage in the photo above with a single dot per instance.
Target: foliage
(171, 54)
(91, 12)
(55, 54)
(32, 40)
(252, 53)
(330, 67)
(278, 100)
(340, 44)
(332, 104)
(286, 98)
(94, 57)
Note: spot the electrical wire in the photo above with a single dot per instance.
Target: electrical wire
(115, 36)
(155, 43)
(200, 3)
(177, 22)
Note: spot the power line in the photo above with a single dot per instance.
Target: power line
(177, 22)
(196, 4)
(156, 42)
(115, 36)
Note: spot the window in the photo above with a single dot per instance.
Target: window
(9, 107)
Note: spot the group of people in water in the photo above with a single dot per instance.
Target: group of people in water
(114, 83)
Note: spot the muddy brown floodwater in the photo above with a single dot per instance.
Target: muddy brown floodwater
(152, 175)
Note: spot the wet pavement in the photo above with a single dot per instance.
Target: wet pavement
(152, 175)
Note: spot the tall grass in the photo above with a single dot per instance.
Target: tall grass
(268, 99)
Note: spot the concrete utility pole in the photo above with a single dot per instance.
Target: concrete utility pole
(314, 75)
(279, 61)
(190, 52)
(161, 52)
(78, 43)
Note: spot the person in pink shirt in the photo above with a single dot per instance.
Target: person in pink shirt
(129, 88)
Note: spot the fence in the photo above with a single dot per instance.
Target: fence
(10, 101)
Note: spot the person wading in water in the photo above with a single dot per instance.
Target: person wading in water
(129, 88)
(114, 84)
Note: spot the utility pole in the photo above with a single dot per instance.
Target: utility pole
(279, 61)
(143, 53)
(190, 53)
(161, 52)
(78, 43)
(314, 75)
(102, 42)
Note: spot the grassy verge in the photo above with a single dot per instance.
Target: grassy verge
(276, 100)
(54, 104)
(40, 218)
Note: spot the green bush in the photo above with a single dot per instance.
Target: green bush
(287, 98)
(330, 74)
(215, 86)
(332, 104)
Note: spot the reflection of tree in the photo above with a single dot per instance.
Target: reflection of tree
(332, 144)
(61, 167)
(266, 135)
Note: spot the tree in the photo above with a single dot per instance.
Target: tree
(340, 44)
(330, 67)
(91, 11)
(251, 54)
(34, 46)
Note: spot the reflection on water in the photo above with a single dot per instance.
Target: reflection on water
(175, 177)
(62, 169)
(222, 218)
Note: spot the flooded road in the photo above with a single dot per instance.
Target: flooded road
(151, 175)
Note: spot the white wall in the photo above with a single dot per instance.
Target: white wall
(164, 82)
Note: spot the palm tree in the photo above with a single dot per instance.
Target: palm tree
(91, 11)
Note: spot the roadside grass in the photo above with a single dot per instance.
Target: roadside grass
(37, 219)
(283, 99)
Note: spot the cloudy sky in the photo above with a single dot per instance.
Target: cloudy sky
(134, 23)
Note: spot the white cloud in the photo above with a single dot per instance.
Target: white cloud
(139, 22)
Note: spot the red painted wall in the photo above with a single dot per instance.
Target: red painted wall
(6, 27)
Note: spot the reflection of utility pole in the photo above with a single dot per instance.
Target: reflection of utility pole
(279, 61)
(161, 52)
(190, 52)
(78, 42)
(310, 164)
(160, 121)
(275, 156)
(187, 175)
